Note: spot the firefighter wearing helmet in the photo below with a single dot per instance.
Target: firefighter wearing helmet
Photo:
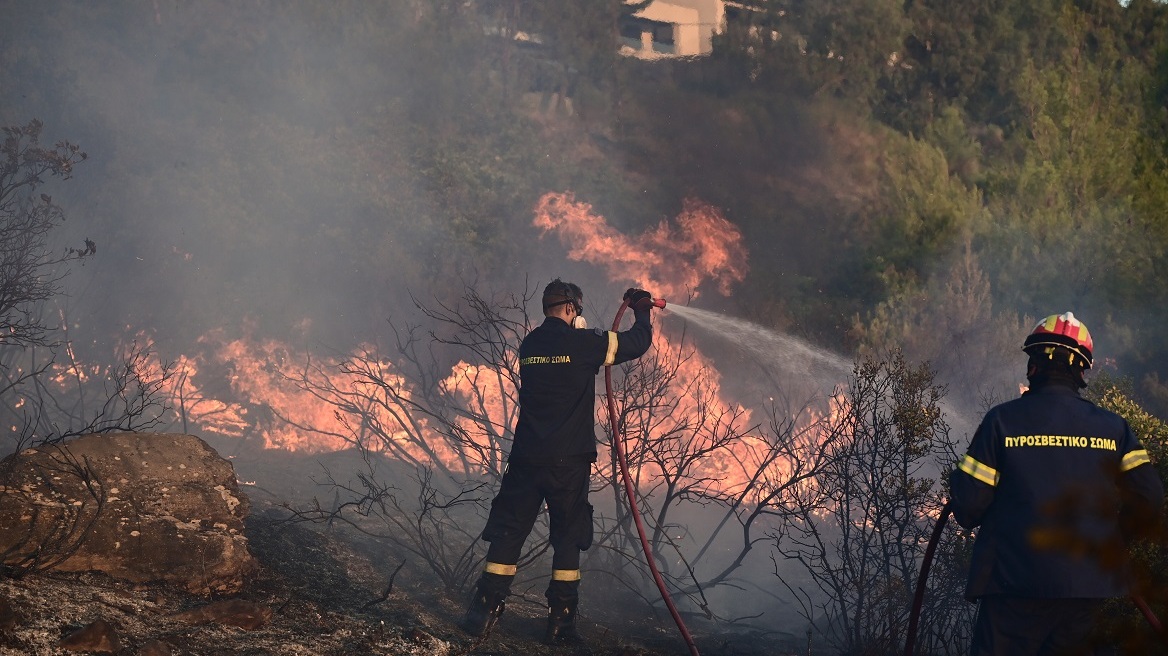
(552, 455)
(1056, 486)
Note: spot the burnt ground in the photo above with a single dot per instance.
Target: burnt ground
(325, 591)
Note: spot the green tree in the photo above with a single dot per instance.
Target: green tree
(951, 322)
(922, 210)
(1061, 213)
(839, 49)
(969, 55)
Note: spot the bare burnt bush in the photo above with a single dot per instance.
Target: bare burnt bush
(691, 452)
(46, 394)
(860, 532)
(30, 273)
(432, 436)
(424, 522)
(51, 396)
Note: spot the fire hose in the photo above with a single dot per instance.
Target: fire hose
(630, 490)
(919, 597)
(914, 615)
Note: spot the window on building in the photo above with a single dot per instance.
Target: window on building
(632, 27)
(663, 33)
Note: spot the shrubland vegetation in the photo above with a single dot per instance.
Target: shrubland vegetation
(926, 176)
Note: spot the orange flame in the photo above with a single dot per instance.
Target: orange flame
(221, 417)
(689, 432)
(262, 374)
(289, 402)
(671, 260)
(328, 405)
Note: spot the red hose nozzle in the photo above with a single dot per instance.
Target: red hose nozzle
(659, 302)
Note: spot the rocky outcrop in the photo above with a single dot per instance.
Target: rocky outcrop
(96, 637)
(139, 507)
(228, 612)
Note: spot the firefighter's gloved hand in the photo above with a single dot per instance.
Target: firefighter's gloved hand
(639, 299)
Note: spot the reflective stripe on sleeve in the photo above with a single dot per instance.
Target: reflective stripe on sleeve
(610, 357)
(565, 575)
(500, 569)
(983, 473)
(1134, 459)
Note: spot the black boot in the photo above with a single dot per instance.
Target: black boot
(483, 612)
(561, 624)
(486, 605)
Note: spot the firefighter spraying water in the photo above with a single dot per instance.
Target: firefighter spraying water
(552, 455)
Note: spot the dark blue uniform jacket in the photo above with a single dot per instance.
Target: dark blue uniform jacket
(1047, 478)
(557, 394)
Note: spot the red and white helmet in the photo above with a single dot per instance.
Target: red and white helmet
(1063, 331)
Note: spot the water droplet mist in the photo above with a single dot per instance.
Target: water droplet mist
(782, 358)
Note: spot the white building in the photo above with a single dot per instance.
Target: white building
(672, 28)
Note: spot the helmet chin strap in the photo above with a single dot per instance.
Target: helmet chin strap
(579, 322)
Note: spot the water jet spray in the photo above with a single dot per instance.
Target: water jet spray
(773, 350)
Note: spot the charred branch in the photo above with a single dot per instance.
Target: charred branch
(56, 400)
(388, 586)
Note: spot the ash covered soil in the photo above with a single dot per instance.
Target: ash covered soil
(325, 590)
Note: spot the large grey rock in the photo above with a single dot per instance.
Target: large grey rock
(137, 506)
